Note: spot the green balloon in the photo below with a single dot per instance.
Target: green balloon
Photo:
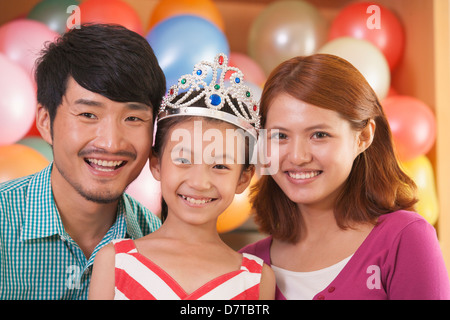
(39, 145)
(53, 13)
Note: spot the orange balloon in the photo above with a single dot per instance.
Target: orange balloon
(17, 161)
(238, 212)
(203, 8)
(111, 11)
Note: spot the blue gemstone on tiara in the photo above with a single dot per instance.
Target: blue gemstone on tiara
(237, 80)
(199, 72)
(215, 99)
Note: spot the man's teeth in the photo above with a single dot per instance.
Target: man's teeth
(303, 175)
(196, 201)
(108, 165)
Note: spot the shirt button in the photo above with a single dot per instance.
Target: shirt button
(331, 289)
(321, 297)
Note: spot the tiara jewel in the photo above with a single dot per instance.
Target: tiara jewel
(215, 94)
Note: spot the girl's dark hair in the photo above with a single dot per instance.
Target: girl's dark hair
(164, 126)
(106, 59)
(376, 184)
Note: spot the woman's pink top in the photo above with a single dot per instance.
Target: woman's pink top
(400, 259)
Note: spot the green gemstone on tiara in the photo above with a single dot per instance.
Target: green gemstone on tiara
(183, 81)
(217, 87)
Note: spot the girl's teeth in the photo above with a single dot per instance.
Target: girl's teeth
(195, 201)
(303, 175)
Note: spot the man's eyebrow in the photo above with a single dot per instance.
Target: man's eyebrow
(137, 106)
(88, 102)
(129, 105)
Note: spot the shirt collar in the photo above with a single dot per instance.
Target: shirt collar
(42, 217)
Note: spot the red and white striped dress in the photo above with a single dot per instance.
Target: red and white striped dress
(138, 278)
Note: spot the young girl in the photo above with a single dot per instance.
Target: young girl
(337, 209)
(185, 258)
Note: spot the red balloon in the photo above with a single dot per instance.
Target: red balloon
(111, 11)
(374, 23)
(413, 126)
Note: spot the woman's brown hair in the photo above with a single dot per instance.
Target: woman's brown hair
(376, 184)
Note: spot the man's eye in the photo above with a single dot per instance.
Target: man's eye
(88, 115)
(134, 119)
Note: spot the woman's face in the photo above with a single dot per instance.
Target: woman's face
(317, 148)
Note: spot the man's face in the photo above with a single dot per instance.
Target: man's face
(99, 146)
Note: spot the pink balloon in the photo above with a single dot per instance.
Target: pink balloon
(146, 190)
(253, 72)
(413, 126)
(22, 40)
(17, 102)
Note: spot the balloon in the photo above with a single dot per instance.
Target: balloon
(421, 171)
(374, 23)
(252, 71)
(146, 190)
(22, 40)
(53, 13)
(111, 11)
(38, 144)
(206, 9)
(285, 29)
(238, 212)
(412, 124)
(181, 42)
(365, 57)
(17, 102)
(18, 161)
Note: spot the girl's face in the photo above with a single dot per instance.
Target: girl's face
(317, 148)
(200, 170)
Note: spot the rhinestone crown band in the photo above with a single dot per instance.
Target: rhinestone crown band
(215, 94)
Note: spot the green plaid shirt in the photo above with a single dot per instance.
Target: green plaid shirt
(38, 259)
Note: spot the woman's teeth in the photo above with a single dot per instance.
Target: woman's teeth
(303, 175)
(104, 165)
(196, 201)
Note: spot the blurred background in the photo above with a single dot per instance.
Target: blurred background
(402, 47)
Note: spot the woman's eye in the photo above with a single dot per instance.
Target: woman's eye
(278, 136)
(320, 135)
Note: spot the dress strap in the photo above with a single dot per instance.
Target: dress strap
(124, 246)
(251, 263)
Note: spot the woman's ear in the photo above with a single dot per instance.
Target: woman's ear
(155, 166)
(43, 123)
(366, 136)
(245, 179)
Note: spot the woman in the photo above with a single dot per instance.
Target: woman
(339, 208)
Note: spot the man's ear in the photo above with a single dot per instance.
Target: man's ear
(155, 166)
(43, 123)
(366, 136)
(245, 179)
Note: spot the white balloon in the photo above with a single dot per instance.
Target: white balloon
(365, 57)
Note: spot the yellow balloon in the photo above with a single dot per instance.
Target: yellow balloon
(421, 171)
(238, 212)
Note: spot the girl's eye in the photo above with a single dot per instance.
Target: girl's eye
(320, 135)
(181, 161)
(220, 167)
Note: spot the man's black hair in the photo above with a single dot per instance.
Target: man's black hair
(106, 59)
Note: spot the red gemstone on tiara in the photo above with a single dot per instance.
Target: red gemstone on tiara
(255, 107)
(171, 92)
(220, 60)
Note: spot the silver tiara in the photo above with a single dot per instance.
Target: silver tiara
(215, 94)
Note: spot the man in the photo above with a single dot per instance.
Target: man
(99, 88)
